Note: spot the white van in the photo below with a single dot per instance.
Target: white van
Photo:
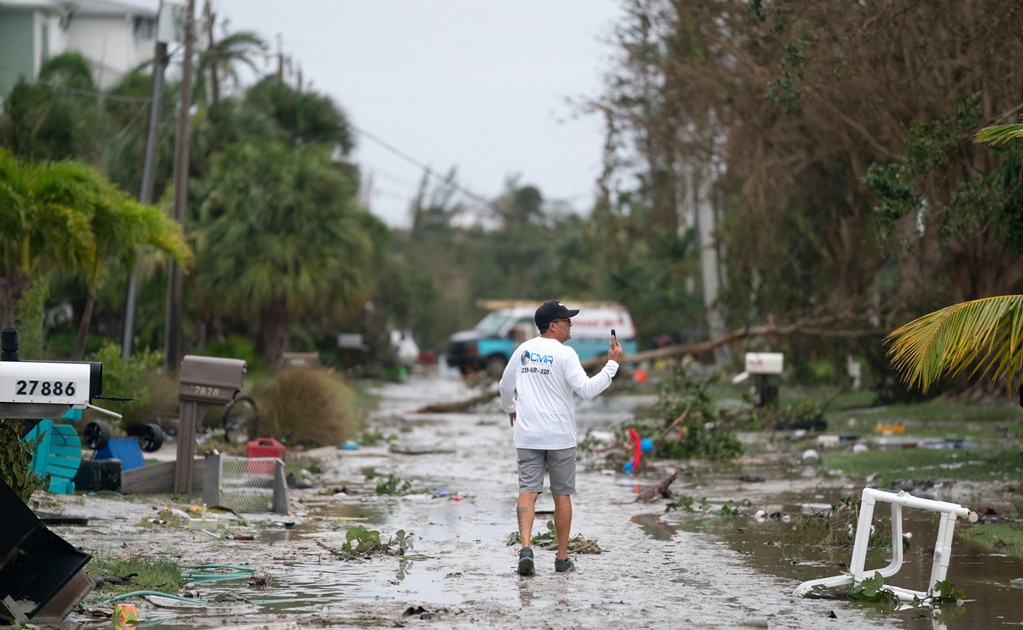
(490, 344)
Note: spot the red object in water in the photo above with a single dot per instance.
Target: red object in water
(637, 449)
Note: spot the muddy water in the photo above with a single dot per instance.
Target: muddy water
(772, 546)
(657, 570)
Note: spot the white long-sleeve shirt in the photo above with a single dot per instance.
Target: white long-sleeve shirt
(544, 373)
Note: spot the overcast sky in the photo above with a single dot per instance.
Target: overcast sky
(481, 85)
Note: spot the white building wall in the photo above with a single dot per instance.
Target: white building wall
(111, 44)
(54, 41)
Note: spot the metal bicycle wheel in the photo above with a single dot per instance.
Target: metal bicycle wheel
(245, 421)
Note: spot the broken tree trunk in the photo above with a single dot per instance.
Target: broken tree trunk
(660, 489)
(460, 405)
(803, 326)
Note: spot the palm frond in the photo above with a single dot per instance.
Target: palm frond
(998, 134)
(984, 335)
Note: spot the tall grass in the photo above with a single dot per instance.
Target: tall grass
(312, 406)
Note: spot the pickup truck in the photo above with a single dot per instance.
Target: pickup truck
(491, 343)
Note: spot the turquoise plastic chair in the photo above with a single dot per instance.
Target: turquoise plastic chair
(58, 452)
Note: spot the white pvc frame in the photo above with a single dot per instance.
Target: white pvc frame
(942, 547)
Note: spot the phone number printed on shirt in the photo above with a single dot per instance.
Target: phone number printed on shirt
(535, 370)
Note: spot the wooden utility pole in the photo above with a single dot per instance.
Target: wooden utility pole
(146, 188)
(172, 336)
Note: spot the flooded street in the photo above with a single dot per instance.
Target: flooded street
(656, 569)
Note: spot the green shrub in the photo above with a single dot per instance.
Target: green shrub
(15, 458)
(686, 423)
(313, 405)
(132, 379)
(28, 319)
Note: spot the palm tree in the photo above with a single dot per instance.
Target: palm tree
(67, 217)
(284, 239)
(222, 58)
(121, 227)
(39, 232)
(56, 117)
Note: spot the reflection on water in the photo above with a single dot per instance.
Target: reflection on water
(653, 526)
(783, 549)
(404, 566)
(364, 513)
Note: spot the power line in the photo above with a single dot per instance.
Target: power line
(426, 169)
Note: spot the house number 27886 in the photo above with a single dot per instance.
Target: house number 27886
(46, 388)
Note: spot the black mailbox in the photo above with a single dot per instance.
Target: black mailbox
(210, 379)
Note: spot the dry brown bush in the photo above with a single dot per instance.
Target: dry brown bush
(311, 403)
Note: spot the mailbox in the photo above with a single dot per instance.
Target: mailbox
(765, 362)
(210, 379)
(202, 382)
(47, 389)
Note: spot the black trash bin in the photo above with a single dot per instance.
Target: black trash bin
(41, 575)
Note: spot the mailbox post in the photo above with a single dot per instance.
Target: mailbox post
(204, 382)
(762, 365)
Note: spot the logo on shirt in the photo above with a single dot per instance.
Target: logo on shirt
(535, 357)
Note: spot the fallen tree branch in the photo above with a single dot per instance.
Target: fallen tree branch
(660, 489)
(460, 405)
(803, 326)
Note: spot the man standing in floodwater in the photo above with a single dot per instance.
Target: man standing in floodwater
(544, 373)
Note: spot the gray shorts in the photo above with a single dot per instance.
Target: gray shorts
(560, 464)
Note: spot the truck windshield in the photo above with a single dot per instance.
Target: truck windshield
(493, 323)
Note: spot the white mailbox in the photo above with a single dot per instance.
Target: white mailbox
(764, 362)
(47, 389)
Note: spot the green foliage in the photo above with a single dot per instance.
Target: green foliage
(56, 117)
(548, 539)
(732, 508)
(945, 592)
(394, 485)
(128, 379)
(685, 502)
(152, 574)
(15, 458)
(29, 320)
(304, 118)
(689, 421)
(361, 542)
(872, 590)
(236, 346)
(283, 239)
(1005, 538)
(729, 509)
(983, 337)
(372, 437)
(997, 134)
(890, 466)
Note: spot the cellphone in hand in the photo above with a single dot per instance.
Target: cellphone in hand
(613, 334)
